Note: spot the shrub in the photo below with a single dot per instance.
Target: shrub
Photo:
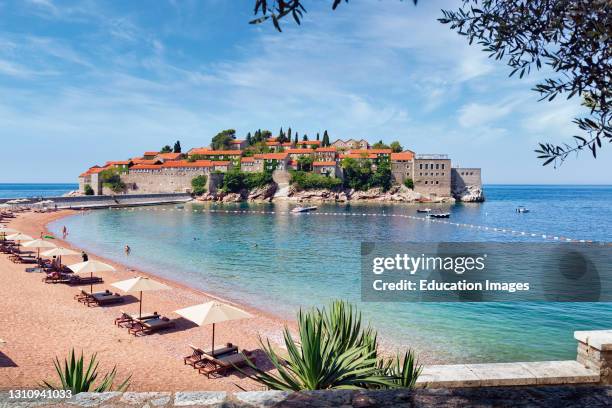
(334, 350)
(198, 184)
(358, 174)
(310, 181)
(409, 183)
(74, 377)
(88, 190)
(111, 178)
(235, 180)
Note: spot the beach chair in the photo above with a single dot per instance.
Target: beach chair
(104, 299)
(83, 280)
(84, 296)
(127, 320)
(198, 355)
(151, 326)
(224, 364)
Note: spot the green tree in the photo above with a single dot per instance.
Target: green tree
(295, 140)
(396, 147)
(382, 176)
(222, 140)
(305, 163)
(409, 183)
(88, 190)
(198, 184)
(111, 178)
(317, 135)
(289, 134)
(249, 139)
(380, 145)
(166, 149)
(266, 134)
(325, 139)
(311, 181)
(177, 147)
(305, 137)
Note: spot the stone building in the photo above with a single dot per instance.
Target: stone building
(463, 177)
(402, 166)
(327, 168)
(326, 153)
(351, 144)
(432, 175)
(237, 144)
(248, 164)
(272, 161)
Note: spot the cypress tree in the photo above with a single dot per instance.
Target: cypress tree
(317, 135)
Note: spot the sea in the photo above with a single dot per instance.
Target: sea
(31, 190)
(264, 257)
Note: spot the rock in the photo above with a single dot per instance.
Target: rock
(469, 194)
(232, 198)
(263, 193)
(200, 399)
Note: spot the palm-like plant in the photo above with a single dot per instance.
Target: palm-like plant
(403, 369)
(333, 351)
(74, 377)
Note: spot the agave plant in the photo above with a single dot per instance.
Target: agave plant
(404, 370)
(333, 351)
(74, 377)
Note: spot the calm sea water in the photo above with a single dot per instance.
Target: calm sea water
(282, 262)
(28, 190)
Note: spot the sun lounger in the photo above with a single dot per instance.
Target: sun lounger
(84, 280)
(151, 326)
(85, 296)
(104, 299)
(224, 364)
(198, 355)
(129, 319)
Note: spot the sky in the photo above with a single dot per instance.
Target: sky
(85, 82)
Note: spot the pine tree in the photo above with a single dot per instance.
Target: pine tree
(177, 147)
(305, 137)
(318, 136)
(289, 134)
(249, 139)
(295, 141)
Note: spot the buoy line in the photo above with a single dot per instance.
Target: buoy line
(482, 228)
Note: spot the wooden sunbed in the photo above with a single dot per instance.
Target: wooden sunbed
(104, 299)
(222, 365)
(198, 355)
(129, 319)
(83, 296)
(151, 326)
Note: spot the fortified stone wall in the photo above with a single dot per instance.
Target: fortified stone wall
(432, 176)
(463, 177)
(157, 183)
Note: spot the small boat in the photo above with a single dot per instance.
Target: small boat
(521, 209)
(424, 210)
(179, 207)
(297, 210)
(439, 214)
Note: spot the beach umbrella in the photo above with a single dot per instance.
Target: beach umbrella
(6, 230)
(19, 237)
(39, 243)
(212, 313)
(91, 267)
(139, 284)
(59, 252)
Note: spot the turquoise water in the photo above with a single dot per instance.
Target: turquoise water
(281, 262)
(29, 190)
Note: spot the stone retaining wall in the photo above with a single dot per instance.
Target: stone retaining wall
(566, 396)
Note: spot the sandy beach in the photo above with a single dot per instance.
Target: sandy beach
(41, 321)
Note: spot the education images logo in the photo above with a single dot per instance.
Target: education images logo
(425, 265)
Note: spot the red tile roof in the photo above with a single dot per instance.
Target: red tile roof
(150, 153)
(169, 156)
(237, 141)
(144, 161)
(271, 156)
(146, 167)
(371, 151)
(185, 163)
(272, 143)
(288, 144)
(326, 149)
(208, 152)
(358, 156)
(402, 156)
(299, 150)
(324, 163)
(118, 162)
(247, 159)
(309, 142)
(221, 163)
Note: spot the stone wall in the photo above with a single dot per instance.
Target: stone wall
(463, 177)
(402, 170)
(432, 176)
(156, 183)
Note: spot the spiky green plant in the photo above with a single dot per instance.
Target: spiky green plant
(74, 377)
(334, 351)
(404, 370)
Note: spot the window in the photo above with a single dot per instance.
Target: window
(425, 181)
(421, 166)
(437, 166)
(437, 182)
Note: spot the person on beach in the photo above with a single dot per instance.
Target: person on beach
(64, 232)
(127, 250)
(84, 256)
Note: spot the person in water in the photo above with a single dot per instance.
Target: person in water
(84, 256)
(127, 250)
(64, 232)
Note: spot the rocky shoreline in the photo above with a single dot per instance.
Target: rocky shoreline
(396, 194)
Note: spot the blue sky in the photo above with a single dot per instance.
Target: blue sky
(86, 82)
